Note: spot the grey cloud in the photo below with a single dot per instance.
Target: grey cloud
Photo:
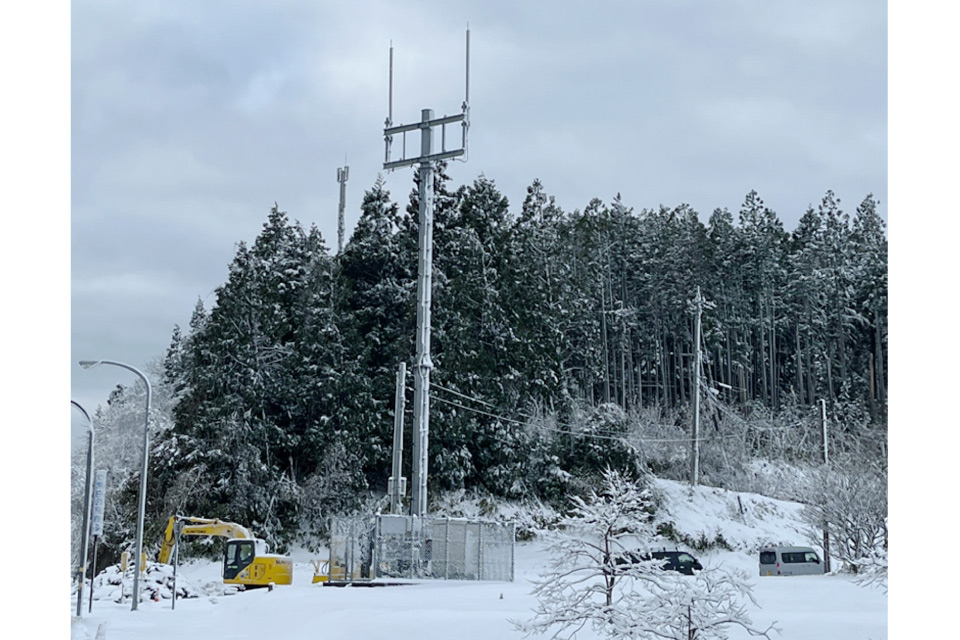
(190, 119)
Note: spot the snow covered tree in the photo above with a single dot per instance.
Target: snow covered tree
(474, 347)
(258, 378)
(595, 581)
(598, 441)
(762, 254)
(868, 237)
(850, 502)
(720, 330)
(806, 306)
(536, 295)
(380, 295)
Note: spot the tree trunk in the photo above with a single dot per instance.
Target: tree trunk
(760, 350)
(624, 376)
(665, 367)
(657, 374)
(801, 393)
(730, 365)
(679, 377)
(811, 385)
(606, 352)
(846, 372)
(774, 397)
(830, 393)
(743, 386)
(881, 383)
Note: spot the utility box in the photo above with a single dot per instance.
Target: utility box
(403, 486)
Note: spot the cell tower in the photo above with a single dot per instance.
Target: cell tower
(342, 176)
(426, 160)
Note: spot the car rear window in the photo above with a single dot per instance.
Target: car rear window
(768, 557)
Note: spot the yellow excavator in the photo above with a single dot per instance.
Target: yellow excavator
(246, 560)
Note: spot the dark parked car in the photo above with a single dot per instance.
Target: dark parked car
(679, 561)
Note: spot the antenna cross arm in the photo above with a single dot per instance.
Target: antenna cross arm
(433, 157)
(436, 122)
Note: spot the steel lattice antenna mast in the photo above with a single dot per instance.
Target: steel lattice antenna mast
(342, 176)
(426, 160)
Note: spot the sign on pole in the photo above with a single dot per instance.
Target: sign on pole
(99, 501)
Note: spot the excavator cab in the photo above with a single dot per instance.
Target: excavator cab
(246, 562)
(237, 556)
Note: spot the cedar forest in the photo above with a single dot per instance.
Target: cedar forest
(562, 344)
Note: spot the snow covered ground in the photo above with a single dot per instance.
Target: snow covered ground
(829, 607)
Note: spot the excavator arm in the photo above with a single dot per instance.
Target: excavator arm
(198, 527)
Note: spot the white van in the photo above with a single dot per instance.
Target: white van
(789, 561)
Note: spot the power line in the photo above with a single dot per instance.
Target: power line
(580, 434)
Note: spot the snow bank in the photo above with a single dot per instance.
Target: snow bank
(156, 585)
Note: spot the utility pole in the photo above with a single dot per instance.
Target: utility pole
(826, 464)
(342, 176)
(426, 161)
(823, 431)
(695, 452)
(397, 482)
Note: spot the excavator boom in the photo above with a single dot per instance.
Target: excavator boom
(198, 527)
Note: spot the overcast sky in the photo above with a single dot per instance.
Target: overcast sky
(190, 119)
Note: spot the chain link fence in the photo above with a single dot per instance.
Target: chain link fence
(391, 546)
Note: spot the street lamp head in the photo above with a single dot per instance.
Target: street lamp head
(89, 364)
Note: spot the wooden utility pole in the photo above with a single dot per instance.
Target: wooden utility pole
(695, 452)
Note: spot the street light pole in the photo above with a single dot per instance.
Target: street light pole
(88, 364)
(85, 529)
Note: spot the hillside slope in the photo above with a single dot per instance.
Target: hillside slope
(740, 521)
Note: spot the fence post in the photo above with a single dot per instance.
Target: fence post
(513, 551)
(479, 551)
(446, 548)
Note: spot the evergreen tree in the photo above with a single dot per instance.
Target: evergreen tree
(869, 250)
(807, 305)
(379, 322)
(535, 292)
(724, 285)
(246, 424)
(473, 343)
(553, 337)
(762, 255)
